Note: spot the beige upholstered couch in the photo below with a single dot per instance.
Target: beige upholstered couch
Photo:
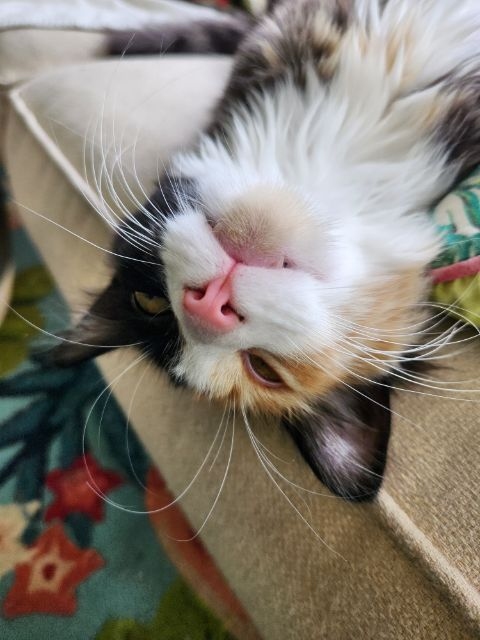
(407, 566)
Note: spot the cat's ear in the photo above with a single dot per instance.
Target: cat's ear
(344, 439)
(100, 330)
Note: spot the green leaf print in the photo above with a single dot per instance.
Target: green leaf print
(472, 206)
(180, 616)
(24, 321)
(31, 285)
(13, 353)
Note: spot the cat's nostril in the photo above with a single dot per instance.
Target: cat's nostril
(211, 305)
(197, 294)
(228, 310)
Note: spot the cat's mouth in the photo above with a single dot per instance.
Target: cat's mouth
(261, 371)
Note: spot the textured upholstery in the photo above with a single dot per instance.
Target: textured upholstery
(405, 567)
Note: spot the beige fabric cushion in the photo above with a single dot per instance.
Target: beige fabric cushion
(7, 274)
(37, 36)
(406, 567)
(7, 271)
(26, 52)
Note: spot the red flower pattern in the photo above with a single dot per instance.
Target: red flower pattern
(46, 583)
(79, 488)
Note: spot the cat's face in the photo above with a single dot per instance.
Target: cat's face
(264, 302)
(275, 306)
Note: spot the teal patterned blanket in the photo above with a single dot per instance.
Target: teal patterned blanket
(72, 565)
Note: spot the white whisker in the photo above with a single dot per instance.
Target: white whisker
(220, 489)
(67, 340)
(282, 492)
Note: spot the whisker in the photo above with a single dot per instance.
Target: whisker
(261, 451)
(220, 489)
(225, 410)
(406, 375)
(109, 387)
(282, 492)
(67, 340)
(76, 235)
(127, 427)
(382, 384)
(179, 497)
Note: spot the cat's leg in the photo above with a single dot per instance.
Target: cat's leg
(215, 36)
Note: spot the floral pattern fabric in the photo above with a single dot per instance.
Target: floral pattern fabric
(456, 271)
(457, 217)
(72, 565)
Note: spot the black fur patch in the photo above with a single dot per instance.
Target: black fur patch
(221, 36)
(345, 439)
(285, 43)
(113, 320)
(459, 131)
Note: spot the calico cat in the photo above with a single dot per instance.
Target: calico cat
(283, 260)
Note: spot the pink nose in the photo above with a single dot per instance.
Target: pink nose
(211, 307)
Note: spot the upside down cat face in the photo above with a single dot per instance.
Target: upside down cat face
(276, 305)
(240, 305)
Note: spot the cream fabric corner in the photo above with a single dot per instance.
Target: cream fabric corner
(36, 36)
(27, 52)
(7, 275)
(406, 567)
(96, 14)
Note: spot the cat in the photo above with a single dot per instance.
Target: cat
(283, 260)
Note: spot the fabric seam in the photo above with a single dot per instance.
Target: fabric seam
(459, 589)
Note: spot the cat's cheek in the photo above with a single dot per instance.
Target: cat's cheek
(286, 312)
(210, 370)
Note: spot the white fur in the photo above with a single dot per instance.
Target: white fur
(357, 155)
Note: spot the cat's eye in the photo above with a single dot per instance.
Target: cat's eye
(261, 371)
(149, 304)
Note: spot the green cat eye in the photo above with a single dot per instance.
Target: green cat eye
(148, 304)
